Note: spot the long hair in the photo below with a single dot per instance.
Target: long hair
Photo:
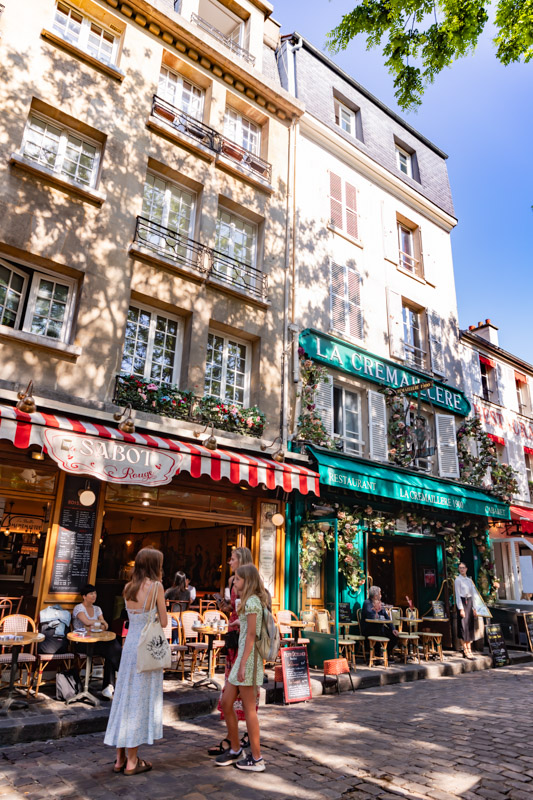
(253, 584)
(148, 564)
(244, 555)
(180, 581)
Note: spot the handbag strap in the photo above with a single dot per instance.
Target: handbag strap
(153, 598)
(256, 653)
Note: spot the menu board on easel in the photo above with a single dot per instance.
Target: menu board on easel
(497, 646)
(528, 622)
(75, 538)
(296, 679)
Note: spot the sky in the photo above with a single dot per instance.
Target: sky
(480, 113)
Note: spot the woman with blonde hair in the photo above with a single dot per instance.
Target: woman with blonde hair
(247, 672)
(137, 711)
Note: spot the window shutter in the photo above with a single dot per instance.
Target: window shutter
(508, 396)
(390, 233)
(355, 314)
(351, 211)
(335, 200)
(447, 446)
(324, 404)
(471, 361)
(515, 454)
(429, 248)
(395, 324)
(377, 426)
(337, 297)
(436, 341)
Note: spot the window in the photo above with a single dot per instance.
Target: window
(343, 206)
(347, 420)
(407, 250)
(61, 150)
(242, 131)
(151, 346)
(85, 33)
(227, 368)
(168, 204)
(404, 161)
(345, 301)
(529, 474)
(35, 302)
(522, 394)
(412, 337)
(345, 118)
(489, 387)
(422, 439)
(181, 93)
(235, 242)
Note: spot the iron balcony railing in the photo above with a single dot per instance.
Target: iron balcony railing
(211, 264)
(223, 39)
(415, 356)
(185, 123)
(168, 243)
(245, 158)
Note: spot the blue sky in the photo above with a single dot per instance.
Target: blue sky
(481, 114)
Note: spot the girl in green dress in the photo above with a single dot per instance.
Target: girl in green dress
(247, 672)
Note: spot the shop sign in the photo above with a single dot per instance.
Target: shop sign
(351, 359)
(111, 460)
(30, 525)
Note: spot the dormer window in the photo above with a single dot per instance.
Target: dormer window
(404, 161)
(345, 118)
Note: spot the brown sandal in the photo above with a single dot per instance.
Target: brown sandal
(118, 770)
(140, 766)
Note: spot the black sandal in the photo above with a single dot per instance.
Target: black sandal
(219, 748)
(245, 741)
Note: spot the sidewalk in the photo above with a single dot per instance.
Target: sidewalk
(47, 719)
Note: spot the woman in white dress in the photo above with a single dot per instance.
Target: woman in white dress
(137, 711)
(465, 591)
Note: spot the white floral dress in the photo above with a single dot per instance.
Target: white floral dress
(253, 606)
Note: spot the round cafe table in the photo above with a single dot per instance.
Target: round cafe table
(89, 640)
(296, 626)
(16, 644)
(211, 634)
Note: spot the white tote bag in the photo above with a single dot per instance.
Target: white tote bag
(153, 650)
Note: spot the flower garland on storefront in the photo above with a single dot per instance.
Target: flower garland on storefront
(400, 434)
(317, 537)
(310, 426)
(474, 469)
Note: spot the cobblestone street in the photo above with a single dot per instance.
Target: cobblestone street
(463, 737)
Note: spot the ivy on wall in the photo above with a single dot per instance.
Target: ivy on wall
(475, 468)
(310, 425)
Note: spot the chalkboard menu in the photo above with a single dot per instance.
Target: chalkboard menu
(439, 612)
(497, 647)
(345, 612)
(296, 680)
(75, 538)
(528, 621)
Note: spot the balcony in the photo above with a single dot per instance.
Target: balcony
(211, 265)
(409, 263)
(184, 252)
(245, 159)
(184, 123)
(415, 356)
(227, 41)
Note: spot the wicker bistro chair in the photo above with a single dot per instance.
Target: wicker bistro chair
(283, 618)
(214, 615)
(333, 667)
(309, 618)
(6, 607)
(191, 639)
(407, 641)
(17, 623)
(373, 640)
(431, 641)
(177, 651)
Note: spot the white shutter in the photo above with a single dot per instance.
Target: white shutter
(351, 210)
(447, 446)
(337, 297)
(429, 249)
(471, 361)
(345, 300)
(515, 454)
(436, 341)
(395, 324)
(324, 404)
(507, 387)
(335, 200)
(390, 233)
(353, 297)
(377, 426)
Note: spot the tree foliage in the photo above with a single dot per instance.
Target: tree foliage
(421, 37)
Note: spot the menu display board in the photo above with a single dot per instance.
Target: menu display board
(75, 538)
(439, 611)
(345, 612)
(528, 622)
(497, 646)
(296, 680)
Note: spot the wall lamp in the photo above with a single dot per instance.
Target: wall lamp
(86, 495)
(211, 442)
(126, 424)
(276, 519)
(26, 402)
(279, 455)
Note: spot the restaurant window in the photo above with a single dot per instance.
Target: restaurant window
(346, 313)
(343, 206)
(413, 337)
(345, 118)
(61, 150)
(489, 383)
(181, 93)
(37, 302)
(347, 420)
(87, 34)
(227, 369)
(152, 346)
(242, 131)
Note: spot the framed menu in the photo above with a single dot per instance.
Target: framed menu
(75, 538)
(497, 646)
(438, 608)
(296, 680)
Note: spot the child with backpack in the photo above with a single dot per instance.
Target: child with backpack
(247, 672)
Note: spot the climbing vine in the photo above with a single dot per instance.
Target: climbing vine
(310, 425)
(474, 469)
(317, 537)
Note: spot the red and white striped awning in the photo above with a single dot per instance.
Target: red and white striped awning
(24, 430)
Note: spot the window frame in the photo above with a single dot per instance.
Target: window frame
(181, 83)
(415, 268)
(155, 312)
(255, 227)
(167, 200)
(528, 459)
(411, 348)
(60, 157)
(81, 43)
(489, 382)
(408, 171)
(523, 398)
(227, 339)
(339, 416)
(340, 107)
(425, 463)
(26, 311)
(238, 127)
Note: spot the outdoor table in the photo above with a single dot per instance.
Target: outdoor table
(344, 625)
(381, 621)
(296, 626)
(90, 640)
(434, 619)
(16, 644)
(211, 634)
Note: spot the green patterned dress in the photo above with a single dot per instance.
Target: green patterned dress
(253, 606)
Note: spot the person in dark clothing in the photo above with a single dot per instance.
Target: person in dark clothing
(373, 609)
(179, 598)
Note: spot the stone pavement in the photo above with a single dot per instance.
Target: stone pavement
(464, 737)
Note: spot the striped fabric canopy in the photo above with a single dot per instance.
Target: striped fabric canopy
(24, 430)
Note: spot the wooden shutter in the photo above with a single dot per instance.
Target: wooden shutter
(345, 300)
(324, 404)
(377, 426)
(471, 362)
(355, 314)
(436, 341)
(447, 446)
(395, 324)
(390, 233)
(508, 396)
(351, 210)
(337, 297)
(430, 247)
(335, 200)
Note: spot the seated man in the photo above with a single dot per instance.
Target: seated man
(373, 609)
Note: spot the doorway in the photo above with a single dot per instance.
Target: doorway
(391, 567)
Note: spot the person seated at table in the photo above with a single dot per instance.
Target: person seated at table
(190, 589)
(373, 609)
(179, 599)
(88, 617)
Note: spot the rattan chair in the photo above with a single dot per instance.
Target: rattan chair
(17, 623)
(431, 641)
(214, 615)
(407, 641)
(177, 650)
(283, 618)
(191, 639)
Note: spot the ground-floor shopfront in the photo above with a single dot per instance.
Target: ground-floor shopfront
(80, 500)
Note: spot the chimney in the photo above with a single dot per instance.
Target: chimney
(487, 331)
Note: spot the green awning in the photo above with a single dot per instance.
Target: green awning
(349, 472)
